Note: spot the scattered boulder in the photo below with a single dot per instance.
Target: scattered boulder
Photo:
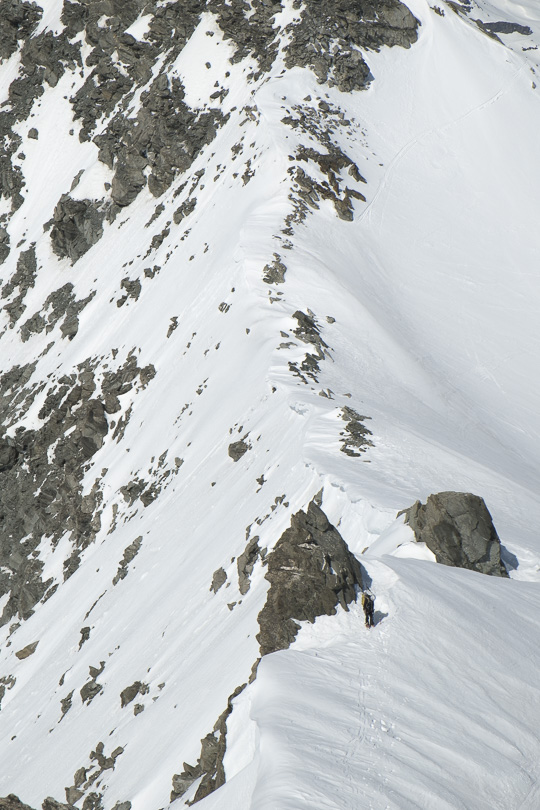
(355, 439)
(78, 224)
(238, 449)
(27, 651)
(219, 579)
(90, 690)
(457, 527)
(311, 571)
(130, 692)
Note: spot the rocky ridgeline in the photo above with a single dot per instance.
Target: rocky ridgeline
(311, 573)
(163, 138)
(330, 37)
(457, 527)
(148, 136)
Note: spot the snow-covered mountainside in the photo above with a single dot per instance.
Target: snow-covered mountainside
(270, 275)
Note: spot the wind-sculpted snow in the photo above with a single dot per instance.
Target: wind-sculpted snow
(252, 252)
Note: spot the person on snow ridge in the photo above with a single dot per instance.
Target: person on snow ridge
(368, 603)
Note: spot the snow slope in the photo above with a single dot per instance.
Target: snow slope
(428, 305)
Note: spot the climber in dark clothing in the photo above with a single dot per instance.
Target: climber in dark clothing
(368, 603)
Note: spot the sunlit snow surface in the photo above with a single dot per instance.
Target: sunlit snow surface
(435, 292)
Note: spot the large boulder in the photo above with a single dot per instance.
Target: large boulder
(458, 529)
(77, 225)
(311, 571)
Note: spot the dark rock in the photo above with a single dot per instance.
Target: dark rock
(311, 571)
(329, 37)
(90, 690)
(308, 332)
(210, 763)
(130, 692)
(246, 563)
(6, 682)
(93, 802)
(17, 20)
(73, 794)
(457, 527)
(238, 449)
(8, 456)
(23, 278)
(129, 554)
(12, 802)
(355, 436)
(274, 273)
(78, 224)
(85, 635)
(105, 762)
(52, 804)
(59, 304)
(66, 703)
(219, 578)
(129, 178)
(33, 133)
(4, 245)
(507, 28)
(27, 651)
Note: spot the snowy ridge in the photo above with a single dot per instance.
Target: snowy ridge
(344, 286)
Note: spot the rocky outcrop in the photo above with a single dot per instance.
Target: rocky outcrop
(311, 571)
(210, 763)
(78, 224)
(13, 802)
(355, 438)
(17, 20)
(457, 527)
(22, 280)
(329, 36)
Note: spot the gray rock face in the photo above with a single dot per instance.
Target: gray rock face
(52, 804)
(329, 35)
(311, 571)
(78, 224)
(458, 529)
(13, 802)
(17, 20)
(22, 280)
